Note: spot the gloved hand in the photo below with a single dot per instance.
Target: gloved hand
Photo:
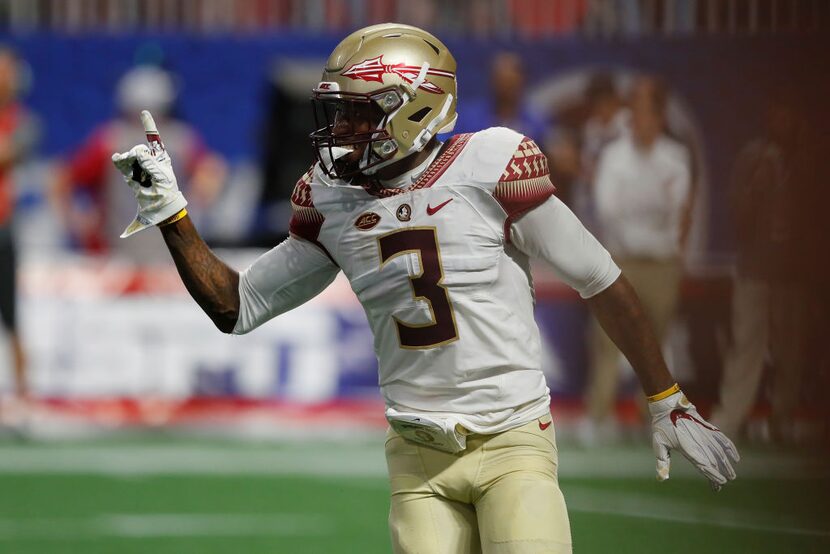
(677, 425)
(148, 170)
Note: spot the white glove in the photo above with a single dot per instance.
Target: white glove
(148, 170)
(677, 425)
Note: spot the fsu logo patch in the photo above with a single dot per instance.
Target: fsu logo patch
(367, 220)
(404, 212)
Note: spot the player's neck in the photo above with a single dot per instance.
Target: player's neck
(414, 173)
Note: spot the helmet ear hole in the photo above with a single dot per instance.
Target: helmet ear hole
(435, 48)
(418, 116)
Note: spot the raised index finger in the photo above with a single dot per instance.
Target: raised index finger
(151, 131)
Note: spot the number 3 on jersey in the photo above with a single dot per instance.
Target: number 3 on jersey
(426, 286)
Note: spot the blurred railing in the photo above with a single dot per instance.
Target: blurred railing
(483, 18)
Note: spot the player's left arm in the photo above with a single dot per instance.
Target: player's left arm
(549, 231)
(552, 233)
(676, 424)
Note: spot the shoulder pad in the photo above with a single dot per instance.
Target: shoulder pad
(525, 180)
(487, 154)
(305, 221)
(499, 135)
(526, 162)
(318, 177)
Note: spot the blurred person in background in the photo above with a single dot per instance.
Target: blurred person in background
(471, 450)
(505, 106)
(770, 203)
(607, 121)
(87, 191)
(642, 191)
(19, 132)
(563, 151)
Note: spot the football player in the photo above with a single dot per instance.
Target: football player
(435, 238)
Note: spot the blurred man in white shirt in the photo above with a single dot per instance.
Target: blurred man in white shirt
(642, 190)
(607, 121)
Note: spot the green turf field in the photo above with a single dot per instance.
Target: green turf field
(157, 495)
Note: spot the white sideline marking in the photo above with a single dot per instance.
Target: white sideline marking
(582, 499)
(691, 520)
(165, 525)
(656, 507)
(337, 459)
(120, 460)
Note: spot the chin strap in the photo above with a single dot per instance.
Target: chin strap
(423, 137)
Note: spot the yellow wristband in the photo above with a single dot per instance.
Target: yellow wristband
(173, 218)
(665, 394)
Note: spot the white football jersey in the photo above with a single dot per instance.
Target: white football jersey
(450, 309)
(447, 293)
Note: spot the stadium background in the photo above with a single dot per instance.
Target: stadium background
(153, 432)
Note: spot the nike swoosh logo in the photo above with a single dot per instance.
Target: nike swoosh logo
(431, 210)
(544, 426)
(680, 414)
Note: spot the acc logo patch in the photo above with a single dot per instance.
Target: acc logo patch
(404, 212)
(366, 221)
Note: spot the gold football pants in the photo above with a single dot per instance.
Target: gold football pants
(499, 496)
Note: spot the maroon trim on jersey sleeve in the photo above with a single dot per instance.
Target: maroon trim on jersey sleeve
(449, 152)
(524, 184)
(306, 221)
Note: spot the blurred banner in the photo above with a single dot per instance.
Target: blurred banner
(97, 328)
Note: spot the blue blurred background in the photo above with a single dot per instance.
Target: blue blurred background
(107, 330)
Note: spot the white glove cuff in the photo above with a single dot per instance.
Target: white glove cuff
(143, 221)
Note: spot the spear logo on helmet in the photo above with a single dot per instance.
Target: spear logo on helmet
(373, 70)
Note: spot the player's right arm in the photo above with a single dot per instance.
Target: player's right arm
(211, 282)
(282, 279)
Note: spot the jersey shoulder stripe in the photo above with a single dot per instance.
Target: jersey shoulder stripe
(306, 221)
(525, 182)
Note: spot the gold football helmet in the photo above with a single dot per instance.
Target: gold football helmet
(399, 78)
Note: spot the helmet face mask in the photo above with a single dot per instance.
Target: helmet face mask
(353, 122)
(385, 92)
